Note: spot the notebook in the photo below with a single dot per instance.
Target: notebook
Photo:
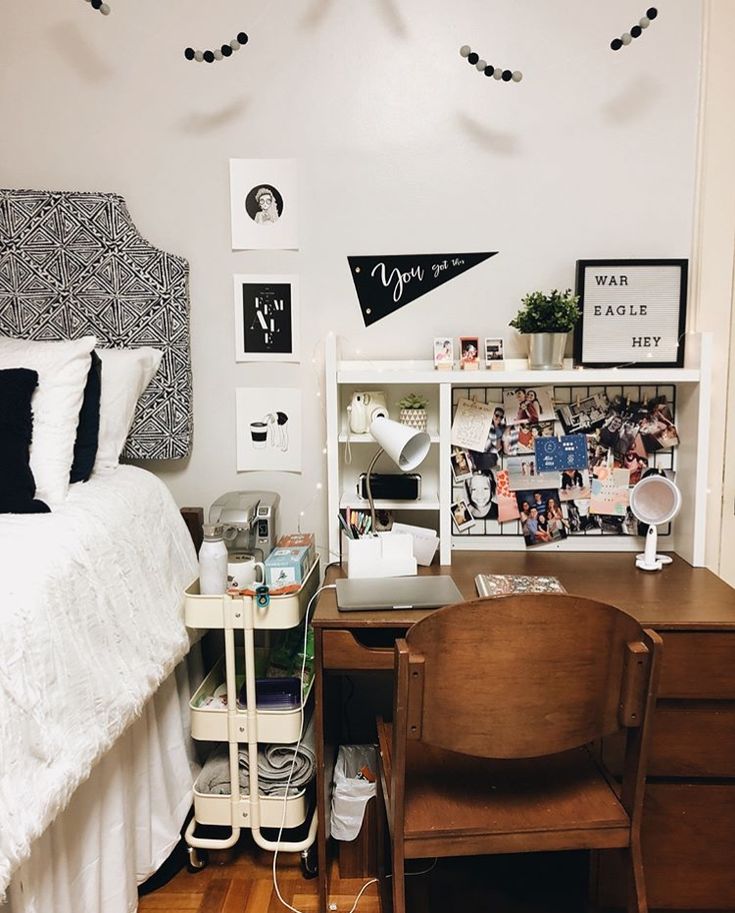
(506, 584)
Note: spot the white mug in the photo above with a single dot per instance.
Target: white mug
(242, 571)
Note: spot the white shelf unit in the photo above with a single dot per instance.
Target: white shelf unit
(396, 378)
(246, 726)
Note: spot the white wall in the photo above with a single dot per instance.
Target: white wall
(403, 148)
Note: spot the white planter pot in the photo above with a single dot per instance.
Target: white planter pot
(546, 351)
(414, 418)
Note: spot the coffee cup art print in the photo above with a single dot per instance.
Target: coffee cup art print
(268, 429)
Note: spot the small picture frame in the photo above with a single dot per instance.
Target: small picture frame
(494, 353)
(462, 466)
(461, 516)
(443, 353)
(469, 353)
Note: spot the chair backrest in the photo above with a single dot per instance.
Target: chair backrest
(524, 676)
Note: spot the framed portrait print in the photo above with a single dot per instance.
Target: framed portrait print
(266, 318)
(633, 313)
(264, 204)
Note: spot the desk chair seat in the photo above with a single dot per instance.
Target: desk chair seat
(534, 805)
(496, 704)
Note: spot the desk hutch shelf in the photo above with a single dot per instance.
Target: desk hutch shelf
(349, 454)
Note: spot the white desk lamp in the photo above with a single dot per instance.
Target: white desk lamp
(406, 446)
(654, 500)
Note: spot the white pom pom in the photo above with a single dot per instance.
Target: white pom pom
(481, 64)
(199, 56)
(517, 76)
(626, 38)
(644, 22)
(465, 50)
(235, 44)
(498, 74)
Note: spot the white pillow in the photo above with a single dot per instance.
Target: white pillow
(125, 375)
(62, 375)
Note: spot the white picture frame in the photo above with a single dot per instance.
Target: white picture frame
(264, 204)
(266, 317)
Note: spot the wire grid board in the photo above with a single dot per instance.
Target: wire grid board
(565, 395)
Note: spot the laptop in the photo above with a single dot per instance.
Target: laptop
(385, 593)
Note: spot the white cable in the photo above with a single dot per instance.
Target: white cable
(329, 586)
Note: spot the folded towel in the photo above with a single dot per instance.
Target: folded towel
(274, 766)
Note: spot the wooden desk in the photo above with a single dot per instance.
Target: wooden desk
(689, 825)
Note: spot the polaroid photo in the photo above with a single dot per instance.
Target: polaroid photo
(443, 353)
(469, 353)
(584, 414)
(541, 515)
(494, 352)
(462, 467)
(522, 473)
(526, 404)
(575, 485)
(461, 516)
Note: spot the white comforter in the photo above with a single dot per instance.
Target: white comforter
(91, 623)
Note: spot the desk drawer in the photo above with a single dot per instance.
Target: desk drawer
(688, 837)
(342, 650)
(698, 665)
(688, 740)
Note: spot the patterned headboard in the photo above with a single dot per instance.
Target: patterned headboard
(74, 264)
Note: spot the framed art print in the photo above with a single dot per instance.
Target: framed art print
(264, 204)
(266, 318)
(633, 313)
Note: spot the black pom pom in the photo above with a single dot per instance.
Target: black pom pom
(96, 4)
(489, 70)
(507, 76)
(242, 38)
(209, 56)
(636, 31)
(616, 44)
(226, 50)
(473, 58)
(652, 12)
(189, 53)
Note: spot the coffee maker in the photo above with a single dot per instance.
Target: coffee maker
(249, 521)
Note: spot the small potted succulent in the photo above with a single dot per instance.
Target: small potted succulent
(546, 320)
(413, 411)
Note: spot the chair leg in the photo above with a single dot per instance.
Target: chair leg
(637, 901)
(398, 879)
(383, 840)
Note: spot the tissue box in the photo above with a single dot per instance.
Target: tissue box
(299, 540)
(285, 566)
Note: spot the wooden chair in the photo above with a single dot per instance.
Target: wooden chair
(496, 702)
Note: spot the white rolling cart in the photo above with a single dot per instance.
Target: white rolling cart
(247, 726)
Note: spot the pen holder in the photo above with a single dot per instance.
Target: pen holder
(384, 555)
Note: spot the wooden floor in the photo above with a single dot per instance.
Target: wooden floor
(541, 884)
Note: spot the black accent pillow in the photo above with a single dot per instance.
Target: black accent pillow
(88, 429)
(17, 485)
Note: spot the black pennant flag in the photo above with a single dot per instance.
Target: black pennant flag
(385, 284)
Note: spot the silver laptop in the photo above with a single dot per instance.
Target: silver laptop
(376, 594)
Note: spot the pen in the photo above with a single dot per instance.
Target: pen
(343, 523)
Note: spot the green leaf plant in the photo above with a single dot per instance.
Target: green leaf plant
(554, 313)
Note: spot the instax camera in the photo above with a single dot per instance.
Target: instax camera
(365, 408)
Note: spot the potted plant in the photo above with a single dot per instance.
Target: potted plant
(546, 320)
(413, 411)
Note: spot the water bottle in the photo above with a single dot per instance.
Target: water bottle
(212, 562)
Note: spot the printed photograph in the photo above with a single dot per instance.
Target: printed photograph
(575, 484)
(488, 458)
(469, 351)
(532, 405)
(541, 516)
(584, 415)
(494, 349)
(462, 467)
(443, 352)
(522, 471)
(481, 496)
(522, 438)
(461, 516)
(507, 503)
(580, 519)
(657, 428)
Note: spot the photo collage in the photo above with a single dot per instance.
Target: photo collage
(525, 462)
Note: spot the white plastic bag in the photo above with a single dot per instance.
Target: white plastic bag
(350, 795)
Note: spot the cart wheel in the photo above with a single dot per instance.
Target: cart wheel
(197, 860)
(309, 864)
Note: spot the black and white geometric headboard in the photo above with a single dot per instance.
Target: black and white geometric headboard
(74, 264)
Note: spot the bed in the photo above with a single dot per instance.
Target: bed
(96, 764)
